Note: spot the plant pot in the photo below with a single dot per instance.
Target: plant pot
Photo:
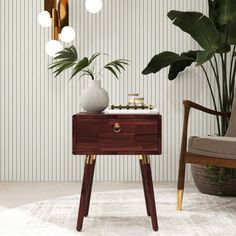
(202, 179)
(94, 98)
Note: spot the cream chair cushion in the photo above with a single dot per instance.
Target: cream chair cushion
(213, 146)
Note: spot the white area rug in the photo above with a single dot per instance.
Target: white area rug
(123, 213)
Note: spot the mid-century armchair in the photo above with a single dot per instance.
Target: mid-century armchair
(215, 151)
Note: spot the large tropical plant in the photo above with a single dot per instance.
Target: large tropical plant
(216, 36)
(68, 58)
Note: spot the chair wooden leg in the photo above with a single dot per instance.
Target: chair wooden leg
(144, 186)
(149, 190)
(182, 163)
(90, 185)
(181, 178)
(85, 191)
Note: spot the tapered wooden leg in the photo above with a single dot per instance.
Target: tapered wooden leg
(180, 188)
(149, 190)
(144, 186)
(90, 185)
(85, 191)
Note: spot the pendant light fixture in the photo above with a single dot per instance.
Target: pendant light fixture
(56, 15)
(93, 6)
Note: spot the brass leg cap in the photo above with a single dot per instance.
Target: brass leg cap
(179, 199)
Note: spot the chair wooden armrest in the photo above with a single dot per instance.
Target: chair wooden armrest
(189, 104)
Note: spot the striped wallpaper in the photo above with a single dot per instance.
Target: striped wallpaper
(36, 110)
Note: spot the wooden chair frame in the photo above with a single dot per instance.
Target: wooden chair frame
(187, 157)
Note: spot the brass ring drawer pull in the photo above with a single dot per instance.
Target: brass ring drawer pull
(116, 128)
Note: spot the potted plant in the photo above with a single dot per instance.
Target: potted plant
(216, 35)
(95, 98)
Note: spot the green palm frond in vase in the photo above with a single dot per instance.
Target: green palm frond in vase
(68, 58)
(64, 60)
(116, 66)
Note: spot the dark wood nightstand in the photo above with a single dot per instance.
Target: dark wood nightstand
(97, 134)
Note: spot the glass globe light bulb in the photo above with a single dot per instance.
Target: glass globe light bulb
(44, 19)
(53, 47)
(67, 34)
(93, 6)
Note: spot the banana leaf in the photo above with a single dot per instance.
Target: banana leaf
(213, 14)
(223, 14)
(167, 58)
(226, 11)
(199, 26)
(179, 66)
(232, 33)
(203, 56)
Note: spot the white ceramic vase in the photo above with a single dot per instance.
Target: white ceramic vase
(94, 98)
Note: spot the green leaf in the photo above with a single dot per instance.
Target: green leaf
(232, 33)
(80, 66)
(199, 26)
(163, 60)
(121, 66)
(111, 70)
(94, 56)
(88, 72)
(67, 53)
(116, 66)
(59, 63)
(60, 69)
(224, 47)
(178, 66)
(64, 60)
(203, 56)
(226, 10)
(223, 14)
(213, 14)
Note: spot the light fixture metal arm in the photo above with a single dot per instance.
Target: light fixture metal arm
(49, 5)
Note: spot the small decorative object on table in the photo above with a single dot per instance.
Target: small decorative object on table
(134, 103)
(95, 98)
(133, 96)
(144, 106)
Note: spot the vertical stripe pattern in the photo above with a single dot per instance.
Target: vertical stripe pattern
(36, 110)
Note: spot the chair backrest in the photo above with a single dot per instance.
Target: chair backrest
(231, 132)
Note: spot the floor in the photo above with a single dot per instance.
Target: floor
(14, 194)
(117, 209)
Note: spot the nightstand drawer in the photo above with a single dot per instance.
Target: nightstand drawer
(113, 134)
(92, 127)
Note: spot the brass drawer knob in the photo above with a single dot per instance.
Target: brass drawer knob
(116, 128)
